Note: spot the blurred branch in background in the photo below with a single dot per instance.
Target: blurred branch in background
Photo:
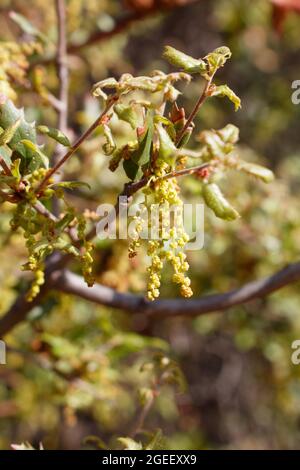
(63, 76)
(281, 8)
(62, 66)
(125, 22)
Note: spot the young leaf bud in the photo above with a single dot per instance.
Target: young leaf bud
(217, 202)
(258, 171)
(183, 61)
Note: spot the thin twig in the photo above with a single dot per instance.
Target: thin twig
(77, 144)
(41, 209)
(187, 171)
(195, 110)
(54, 102)
(131, 188)
(144, 412)
(5, 167)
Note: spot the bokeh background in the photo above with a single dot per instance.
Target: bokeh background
(74, 369)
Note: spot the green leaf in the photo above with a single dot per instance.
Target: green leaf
(168, 124)
(224, 90)
(65, 221)
(130, 444)
(258, 171)
(15, 169)
(142, 155)
(127, 114)
(130, 83)
(5, 154)
(218, 143)
(26, 26)
(183, 61)
(157, 442)
(62, 245)
(55, 134)
(131, 169)
(229, 134)
(37, 158)
(95, 441)
(9, 114)
(31, 157)
(108, 83)
(61, 347)
(9, 132)
(126, 343)
(110, 145)
(171, 93)
(217, 58)
(214, 145)
(70, 184)
(167, 148)
(217, 202)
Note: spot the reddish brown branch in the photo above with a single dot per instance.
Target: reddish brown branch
(195, 110)
(125, 23)
(120, 27)
(5, 167)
